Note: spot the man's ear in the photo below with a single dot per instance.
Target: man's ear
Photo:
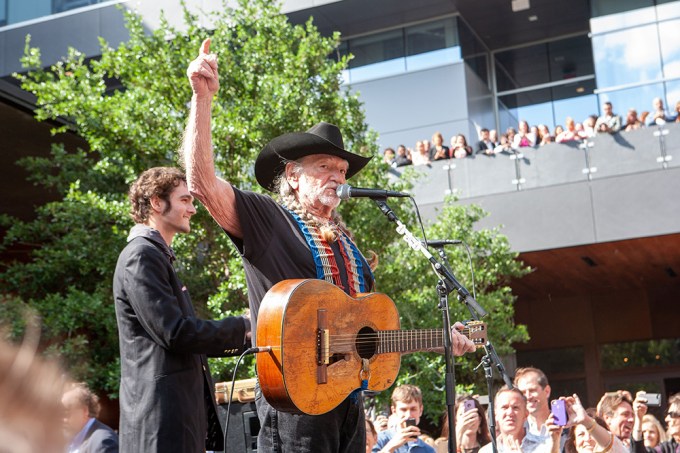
(157, 204)
(292, 176)
(547, 390)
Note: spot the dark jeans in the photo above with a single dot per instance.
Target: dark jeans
(342, 430)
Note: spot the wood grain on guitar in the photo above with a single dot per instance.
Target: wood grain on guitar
(325, 342)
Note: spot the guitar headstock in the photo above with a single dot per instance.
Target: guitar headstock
(476, 331)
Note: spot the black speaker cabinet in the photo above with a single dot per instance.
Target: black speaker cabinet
(243, 426)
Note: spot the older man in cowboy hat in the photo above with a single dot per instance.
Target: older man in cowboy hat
(300, 236)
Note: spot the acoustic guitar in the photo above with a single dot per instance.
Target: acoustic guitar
(325, 344)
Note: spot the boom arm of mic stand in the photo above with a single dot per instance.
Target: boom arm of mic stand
(446, 274)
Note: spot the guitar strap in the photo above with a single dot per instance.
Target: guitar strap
(324, 258)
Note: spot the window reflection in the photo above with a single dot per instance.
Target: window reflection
(640, 354)
(672, 95)
(638, 98)
(431, 36)
(628, 56)
(670, 47)
(628, 18)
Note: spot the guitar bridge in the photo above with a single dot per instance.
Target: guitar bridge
(322, 347)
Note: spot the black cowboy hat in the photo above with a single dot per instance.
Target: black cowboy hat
(322, 138)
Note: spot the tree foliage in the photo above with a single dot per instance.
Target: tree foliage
(275, 78)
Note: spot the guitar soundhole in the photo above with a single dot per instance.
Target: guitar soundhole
(367, 343)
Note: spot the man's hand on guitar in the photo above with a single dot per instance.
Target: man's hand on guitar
(460, 344)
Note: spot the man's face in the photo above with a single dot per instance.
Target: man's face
(673, 420)
(485, 135)
(408, 409)
(75, 414)
(607, 108)
(511, 413)
(537, 396)
(176, 214)
(621, 421)
(319, 178)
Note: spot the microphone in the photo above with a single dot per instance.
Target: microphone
(443, 242)
(346, 191)
(258, 349)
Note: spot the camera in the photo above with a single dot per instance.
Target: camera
(653, 399)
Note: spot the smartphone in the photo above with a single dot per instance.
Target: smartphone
(411, 422)
(468, 405)
(559, 410)
(653, 399)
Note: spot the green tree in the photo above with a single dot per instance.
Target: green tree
(130, 106)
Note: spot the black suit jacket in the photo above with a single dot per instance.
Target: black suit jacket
(167, 398)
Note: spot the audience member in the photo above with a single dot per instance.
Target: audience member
(659, 116)
(643, 117)
(30, 400)
(381, 422)
(371, 435)
(510, 132)
(524, 137)
(677, 112)
(632, 121)
(421, 156)
(544, 136)
(83, 431)
(472, 429)
(652, 431)
(512, 434)
(588, 126)
(533, 383)
(407, 404)
(504, 147)
(616, 408)
(459, 147)
(388, 156)
(485, 145)
(558, 130)
(609, 122)
(571, 133)
(672, 445)
(439, 151)
(588, 432)
(402, 158)
(493, 136)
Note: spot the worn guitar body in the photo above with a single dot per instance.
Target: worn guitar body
(324, 344)
(291, 375)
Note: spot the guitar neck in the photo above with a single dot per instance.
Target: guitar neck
(406, 341)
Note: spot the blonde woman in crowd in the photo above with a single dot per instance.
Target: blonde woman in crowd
(652, 431)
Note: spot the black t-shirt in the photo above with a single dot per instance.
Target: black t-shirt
(274, 249)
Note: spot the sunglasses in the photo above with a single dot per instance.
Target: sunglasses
(673, 414)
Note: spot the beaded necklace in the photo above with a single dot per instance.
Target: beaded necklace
(324, 258)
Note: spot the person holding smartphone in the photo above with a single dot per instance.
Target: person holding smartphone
(407, 408)
(472, 429)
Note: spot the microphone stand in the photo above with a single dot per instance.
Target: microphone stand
(446, 285)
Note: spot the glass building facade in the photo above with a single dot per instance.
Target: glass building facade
(16, 11)
(630, 56)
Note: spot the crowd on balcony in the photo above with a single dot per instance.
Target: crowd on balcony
(491, 143)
